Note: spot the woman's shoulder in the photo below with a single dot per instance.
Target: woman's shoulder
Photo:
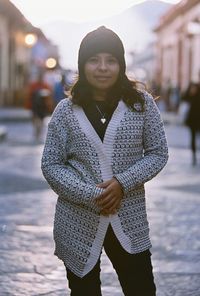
(63, 106)
(61, 111)
(147, 96)
(149, 102)
(66, 102)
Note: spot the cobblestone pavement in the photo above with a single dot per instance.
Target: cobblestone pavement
(27, 264)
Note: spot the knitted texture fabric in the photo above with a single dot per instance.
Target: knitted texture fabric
(75, 160)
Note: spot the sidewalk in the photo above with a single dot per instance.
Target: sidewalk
(12, 115)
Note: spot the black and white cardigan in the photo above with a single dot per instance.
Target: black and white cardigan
(75, 160)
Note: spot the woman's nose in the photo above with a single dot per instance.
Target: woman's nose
(102, 65)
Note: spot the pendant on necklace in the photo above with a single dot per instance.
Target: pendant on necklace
(103, 120)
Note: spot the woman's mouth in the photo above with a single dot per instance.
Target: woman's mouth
(102, 78)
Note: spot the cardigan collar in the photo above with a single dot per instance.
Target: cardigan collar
(104, 149)
(89, 130)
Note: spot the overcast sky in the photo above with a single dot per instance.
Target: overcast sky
(73, 10)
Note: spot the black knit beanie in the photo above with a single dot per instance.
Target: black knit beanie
(101, 40)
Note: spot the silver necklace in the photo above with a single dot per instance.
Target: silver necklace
(103, 119)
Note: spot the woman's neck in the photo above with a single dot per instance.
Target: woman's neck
(99, 96)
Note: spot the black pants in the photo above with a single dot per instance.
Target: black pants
(134, 272)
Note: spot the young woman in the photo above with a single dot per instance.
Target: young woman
(103, 144)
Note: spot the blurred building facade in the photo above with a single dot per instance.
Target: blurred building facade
(178, 46)
(24, 50)
(144, 64)
(171, 61)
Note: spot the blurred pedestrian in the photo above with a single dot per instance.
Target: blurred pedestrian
(175, 98)
(103, 143)
(40, 103)
(59, 90)
(192, 96)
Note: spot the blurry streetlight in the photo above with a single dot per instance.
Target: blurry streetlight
(51, 63)
(30, 39)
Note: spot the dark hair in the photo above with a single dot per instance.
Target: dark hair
(125, 89)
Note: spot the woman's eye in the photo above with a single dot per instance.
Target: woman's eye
(112, 61)
(93, 60)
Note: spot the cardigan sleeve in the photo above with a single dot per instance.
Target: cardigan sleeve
(61, 177)
(155, 149)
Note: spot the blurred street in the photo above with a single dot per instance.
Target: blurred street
(38, 62)
(27, 264)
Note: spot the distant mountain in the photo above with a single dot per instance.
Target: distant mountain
(151, 11)
(134, 26)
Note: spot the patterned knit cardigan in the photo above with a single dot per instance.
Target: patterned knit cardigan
(75, 160)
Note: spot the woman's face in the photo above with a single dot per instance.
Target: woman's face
(102, 71)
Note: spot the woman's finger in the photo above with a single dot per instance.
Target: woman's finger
(102, 202)
(104, 184)
(114, 208)
(111, 211)
(109, 204)
(104, 195)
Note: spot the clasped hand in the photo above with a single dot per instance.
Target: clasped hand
(109, 201)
